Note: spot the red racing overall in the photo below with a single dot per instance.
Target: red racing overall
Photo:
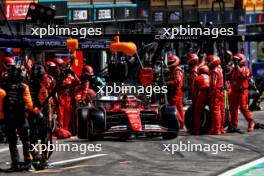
(83, 94)
(216, 100)
(200, 92)
(192, 75)
(192, 61)
(65, 107)
(239, 95)
(175, 92)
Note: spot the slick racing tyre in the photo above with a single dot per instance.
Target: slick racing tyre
(188, 118)
(96, 123)
(98, 117)
(170, 121)
(82, 117)
(205, 120)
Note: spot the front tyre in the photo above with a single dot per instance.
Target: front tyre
(96, 123)
(170, 121)
(82, 129)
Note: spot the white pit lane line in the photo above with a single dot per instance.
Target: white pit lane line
(243, 167)
(75, 160)
(63, 161)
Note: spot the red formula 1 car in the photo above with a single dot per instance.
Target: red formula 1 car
(125, 117)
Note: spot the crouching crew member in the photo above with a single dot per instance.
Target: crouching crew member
(82, 95)
(83, 92)
(200, 93)
(175, 87)
(239, 94)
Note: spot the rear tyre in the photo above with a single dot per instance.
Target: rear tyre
(207, 121)
(188, 118)
(170, 121)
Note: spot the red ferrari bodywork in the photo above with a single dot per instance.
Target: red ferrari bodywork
(132, 108)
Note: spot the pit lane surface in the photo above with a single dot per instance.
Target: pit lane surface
(146, 156)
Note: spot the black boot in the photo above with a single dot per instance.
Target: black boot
(254, 108)
(13, 168)
(232, 129)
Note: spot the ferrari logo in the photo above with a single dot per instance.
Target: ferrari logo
(76, 62)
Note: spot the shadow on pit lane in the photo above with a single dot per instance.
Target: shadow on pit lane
(4, 171)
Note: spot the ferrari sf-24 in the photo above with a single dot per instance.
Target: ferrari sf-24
(125, 117)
